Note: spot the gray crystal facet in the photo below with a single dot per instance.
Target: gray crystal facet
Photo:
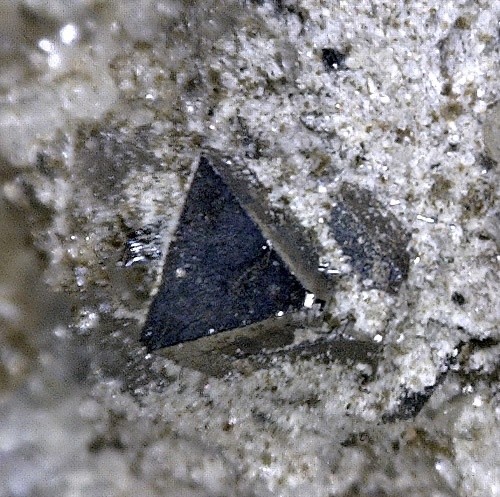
(373, 239)
(220, 272)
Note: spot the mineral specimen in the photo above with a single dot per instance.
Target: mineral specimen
(333, 59)
(220, 272)
(373, 238)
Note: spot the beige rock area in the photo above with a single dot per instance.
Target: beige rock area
(105, 108)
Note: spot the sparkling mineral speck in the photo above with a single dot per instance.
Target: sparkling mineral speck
(68, 34)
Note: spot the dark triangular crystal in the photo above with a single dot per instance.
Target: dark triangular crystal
(220, 273)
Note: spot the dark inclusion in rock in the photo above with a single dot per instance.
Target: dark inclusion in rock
(220, 272)
(458, 298)
(333, 59)
(411, 403)
(373, 238)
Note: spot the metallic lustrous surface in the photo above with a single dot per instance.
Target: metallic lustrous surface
(220, 272)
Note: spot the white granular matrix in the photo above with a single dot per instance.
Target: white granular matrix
(104, 111)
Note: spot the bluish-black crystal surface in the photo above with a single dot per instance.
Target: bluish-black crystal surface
(220, 273)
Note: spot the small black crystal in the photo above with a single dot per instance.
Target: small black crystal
(333, 59)
(458, 298)
(220, 272)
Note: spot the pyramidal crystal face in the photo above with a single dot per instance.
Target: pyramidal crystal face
(220, 272)
(373, 238)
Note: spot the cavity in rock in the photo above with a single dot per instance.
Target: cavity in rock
(220, 272)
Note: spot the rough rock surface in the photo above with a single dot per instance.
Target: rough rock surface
(105, 109)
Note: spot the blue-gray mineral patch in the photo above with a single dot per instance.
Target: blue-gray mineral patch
(373, 238)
